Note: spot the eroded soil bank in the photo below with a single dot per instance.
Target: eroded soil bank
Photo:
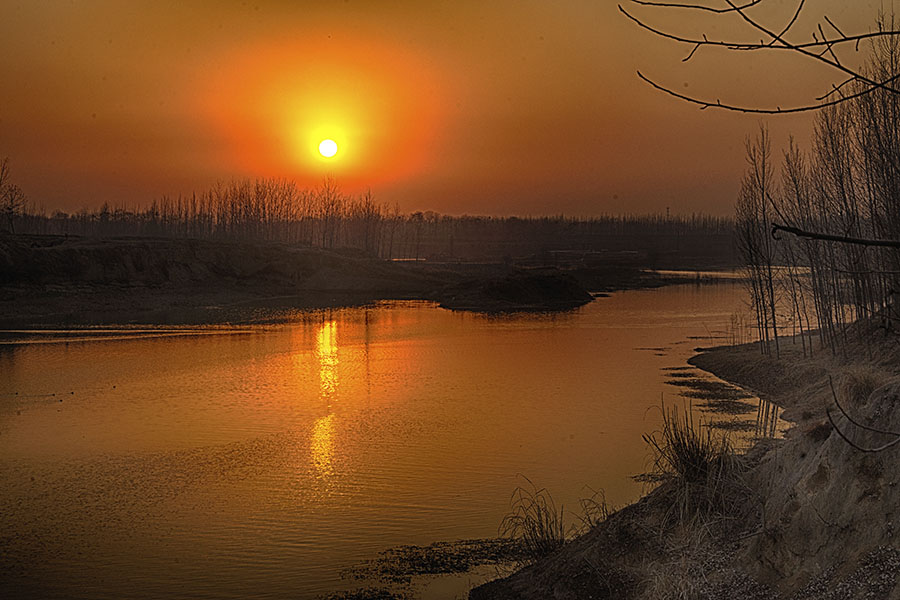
(809, 516)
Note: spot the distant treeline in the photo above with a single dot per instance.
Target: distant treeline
(843, 197)
(325, 217)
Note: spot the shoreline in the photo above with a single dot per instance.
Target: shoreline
(82, 282)
(35, 308)
(814, 518)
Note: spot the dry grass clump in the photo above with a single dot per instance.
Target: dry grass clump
(672, 581)
(698, 561)
(535, 520)
(857, 382)
(594, 509)
(679, 572)
(701, 465)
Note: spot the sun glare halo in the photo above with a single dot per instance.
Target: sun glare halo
(275, 111)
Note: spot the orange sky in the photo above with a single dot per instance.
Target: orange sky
(515, 107)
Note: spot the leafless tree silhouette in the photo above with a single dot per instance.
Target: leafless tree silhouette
(12, 199)
(755, 246)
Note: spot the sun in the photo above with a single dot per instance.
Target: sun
(328, 148)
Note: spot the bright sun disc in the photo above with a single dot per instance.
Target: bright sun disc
(327, 148)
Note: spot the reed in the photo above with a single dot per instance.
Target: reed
(701, 465)
(535, 520)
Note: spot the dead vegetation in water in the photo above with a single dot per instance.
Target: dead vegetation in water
(733, 425)
(533, 528)
(720, 397)
(682, 374)
(401, 564)
(728, 407)
(707, 389)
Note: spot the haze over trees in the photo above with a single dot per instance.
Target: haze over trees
(324, 217)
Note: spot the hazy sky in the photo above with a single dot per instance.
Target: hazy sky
(494, 107)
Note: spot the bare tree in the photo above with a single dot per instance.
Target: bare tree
(755, 245)
(827, 45)
(12, 198)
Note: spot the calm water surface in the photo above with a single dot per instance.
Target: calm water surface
(259, 463)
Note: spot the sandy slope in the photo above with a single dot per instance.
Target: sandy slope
(811, 517)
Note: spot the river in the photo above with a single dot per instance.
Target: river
(261, 462)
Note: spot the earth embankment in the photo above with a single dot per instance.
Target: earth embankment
(72, 281)
(814, 516)
(61, 281)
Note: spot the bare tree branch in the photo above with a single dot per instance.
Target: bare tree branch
(849, 418)
(693, 6)
(704, 104)
(749, 46)
(822, 50)
(835, 64)
(833, 238)
(844, 437)
(855, 445)
(835, 27)
(790, 23)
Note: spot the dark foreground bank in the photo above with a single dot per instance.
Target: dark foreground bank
(71, 281)
(806, 517)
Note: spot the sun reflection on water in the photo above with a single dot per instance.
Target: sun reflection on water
(327, 353)
(321, 445)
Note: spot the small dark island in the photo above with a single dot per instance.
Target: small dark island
(523, 290)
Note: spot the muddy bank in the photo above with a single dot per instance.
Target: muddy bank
(52, 280)
(55, 280)
(806, 517)
(75, 281)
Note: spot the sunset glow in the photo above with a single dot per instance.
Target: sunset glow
(500, 108)
(367, 103)
(347, 300)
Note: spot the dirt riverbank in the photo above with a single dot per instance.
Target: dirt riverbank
(806, 517)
